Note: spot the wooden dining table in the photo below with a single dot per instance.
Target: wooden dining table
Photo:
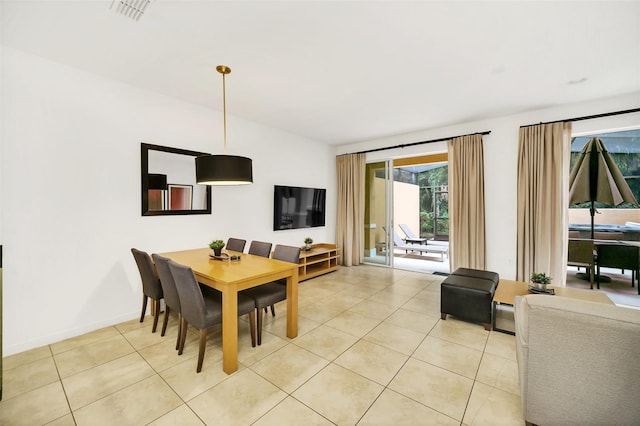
(229, 277)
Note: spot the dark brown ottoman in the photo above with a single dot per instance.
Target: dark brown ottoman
(468, 294)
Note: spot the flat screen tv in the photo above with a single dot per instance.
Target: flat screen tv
(295, 207)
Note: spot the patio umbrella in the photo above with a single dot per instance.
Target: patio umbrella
(595, 177)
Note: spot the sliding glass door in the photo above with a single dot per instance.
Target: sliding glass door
(407, 199)
(378, 220)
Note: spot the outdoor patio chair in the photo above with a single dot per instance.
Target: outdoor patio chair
(400, 244)
(582, 253)
(410, 235)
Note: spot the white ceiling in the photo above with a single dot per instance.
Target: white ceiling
(340, 71)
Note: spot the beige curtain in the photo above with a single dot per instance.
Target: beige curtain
(543, 200)
(467, 246)
(350, 215)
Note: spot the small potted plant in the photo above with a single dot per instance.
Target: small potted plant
(216, 246)
(307, 243)
(540, 280)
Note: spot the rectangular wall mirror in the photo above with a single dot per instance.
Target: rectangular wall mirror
(168, 178)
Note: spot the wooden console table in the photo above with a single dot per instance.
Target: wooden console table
(321, 259)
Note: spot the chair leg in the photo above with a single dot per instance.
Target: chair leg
(273, 311)
(252, 327)
(165, 321)
(156, 304)
(203, 343)
(179, 331)
(183, 335)
(144, 306)
(259, 325)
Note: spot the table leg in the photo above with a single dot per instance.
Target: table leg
(292, 304)
(494, 314)
(230, 330)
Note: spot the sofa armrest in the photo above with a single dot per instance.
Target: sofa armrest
(521, 318)
(577, 361)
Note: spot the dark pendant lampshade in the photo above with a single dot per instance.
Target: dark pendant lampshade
(157, 181)
(223, 170)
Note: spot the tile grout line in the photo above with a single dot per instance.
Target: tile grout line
(64, 390)
(392, 281)
(333, 362)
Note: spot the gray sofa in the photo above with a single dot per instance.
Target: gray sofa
(578, 361)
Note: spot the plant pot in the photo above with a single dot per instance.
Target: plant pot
(539, 286)
(307, 247)
(217, 252)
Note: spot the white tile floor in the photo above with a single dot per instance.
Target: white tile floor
(371, 350)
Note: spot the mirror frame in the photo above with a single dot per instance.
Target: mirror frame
(144, 179)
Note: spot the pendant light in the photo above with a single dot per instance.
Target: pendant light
(157, 181)
(223, 169)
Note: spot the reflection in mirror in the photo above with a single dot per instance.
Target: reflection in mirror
(169, 182)
(157, 191)
(157, 181)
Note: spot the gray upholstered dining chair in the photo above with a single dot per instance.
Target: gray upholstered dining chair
(260, 248)
(236, 244)
(171, 299)
(271, 293)
(151, 287)
(203, 312)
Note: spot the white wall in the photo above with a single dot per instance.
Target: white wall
(1, 126)
(70, 206)
(406, 207)
(501, 161)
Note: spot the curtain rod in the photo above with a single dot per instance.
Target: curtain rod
(420, 143)
(589, 117)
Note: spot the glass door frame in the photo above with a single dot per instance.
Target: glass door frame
(387, 225)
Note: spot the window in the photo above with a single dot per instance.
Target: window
(432, 181)
(624, 149)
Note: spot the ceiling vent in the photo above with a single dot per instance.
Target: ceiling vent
(130, 8)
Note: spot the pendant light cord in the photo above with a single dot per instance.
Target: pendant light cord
(223, 69)
(224, 112)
